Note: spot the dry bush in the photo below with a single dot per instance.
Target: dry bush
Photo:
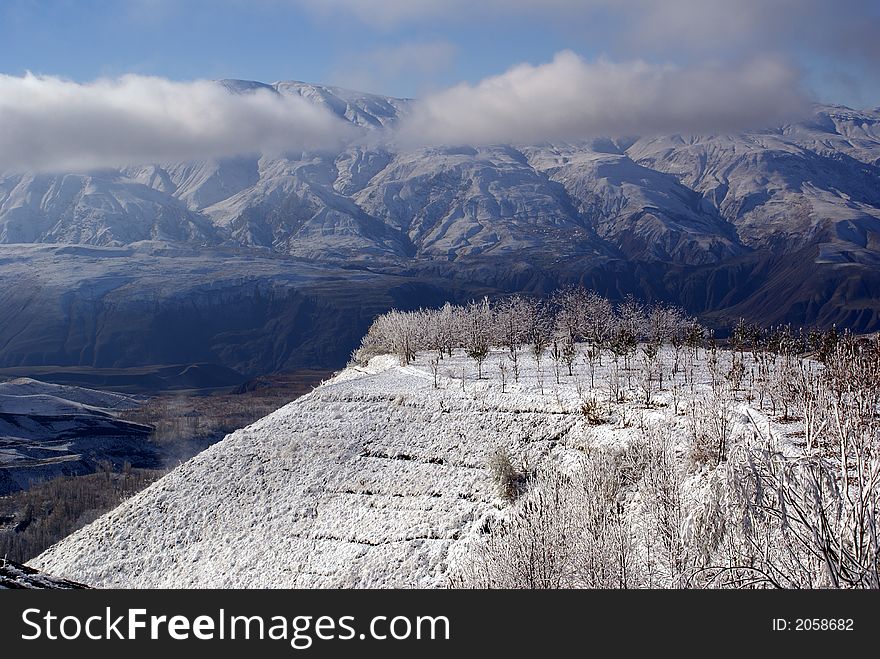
(808, 520)
(509, 481)
(661, 490)
(592, 410)
(711, 423)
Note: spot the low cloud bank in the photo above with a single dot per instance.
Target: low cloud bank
(48, 123)
(51, 124)
(570, 98)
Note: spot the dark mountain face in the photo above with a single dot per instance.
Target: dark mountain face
(259, 264)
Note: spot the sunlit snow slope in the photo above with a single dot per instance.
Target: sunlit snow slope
(375, 479)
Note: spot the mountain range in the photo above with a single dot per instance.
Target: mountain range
(260, 263)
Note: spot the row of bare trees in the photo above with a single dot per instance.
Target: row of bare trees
(792, 504)
(552, 326)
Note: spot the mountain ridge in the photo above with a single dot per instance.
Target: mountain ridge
(719, 224)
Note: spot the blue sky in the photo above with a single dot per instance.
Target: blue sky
(265, 41)
(413, 48)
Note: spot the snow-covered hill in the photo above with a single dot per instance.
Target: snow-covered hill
(378, 478)
(25, 388)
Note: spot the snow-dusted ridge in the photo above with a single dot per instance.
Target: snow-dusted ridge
(374, 479)
(50, 430)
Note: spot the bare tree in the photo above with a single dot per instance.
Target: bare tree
(591, 356)
(502, 369)
(651, 371)
(599, 319)
(479, 333)
(435, 371)
(540, 332)
(512, 321)
(442, 327)
(631, 322)
(571, 305)
(396, 332)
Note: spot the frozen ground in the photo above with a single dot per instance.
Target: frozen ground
(375, 479)
(19, 577)
(49, 430)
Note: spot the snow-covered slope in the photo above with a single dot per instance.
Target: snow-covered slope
(106, 400)
(646, 214)
(49, 430)
(370, 480)
(452, 202)
(375, 479)
(814, 182)
(102, 208)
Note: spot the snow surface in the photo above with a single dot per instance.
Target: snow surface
(374, 479)
(67, 394)
(14, 576)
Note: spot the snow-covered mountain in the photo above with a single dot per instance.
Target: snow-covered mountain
(677, 198)
(780, 225)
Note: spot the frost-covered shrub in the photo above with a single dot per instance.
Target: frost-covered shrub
(808, 519)
(661, 489)
(569, 530)
(711, 417)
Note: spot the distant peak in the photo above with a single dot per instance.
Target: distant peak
(244, 86)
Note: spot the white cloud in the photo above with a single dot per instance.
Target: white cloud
(48, 123)
(570, 98)
(384, 14)
(423, 57)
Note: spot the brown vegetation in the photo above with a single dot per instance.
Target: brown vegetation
(38, 518)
